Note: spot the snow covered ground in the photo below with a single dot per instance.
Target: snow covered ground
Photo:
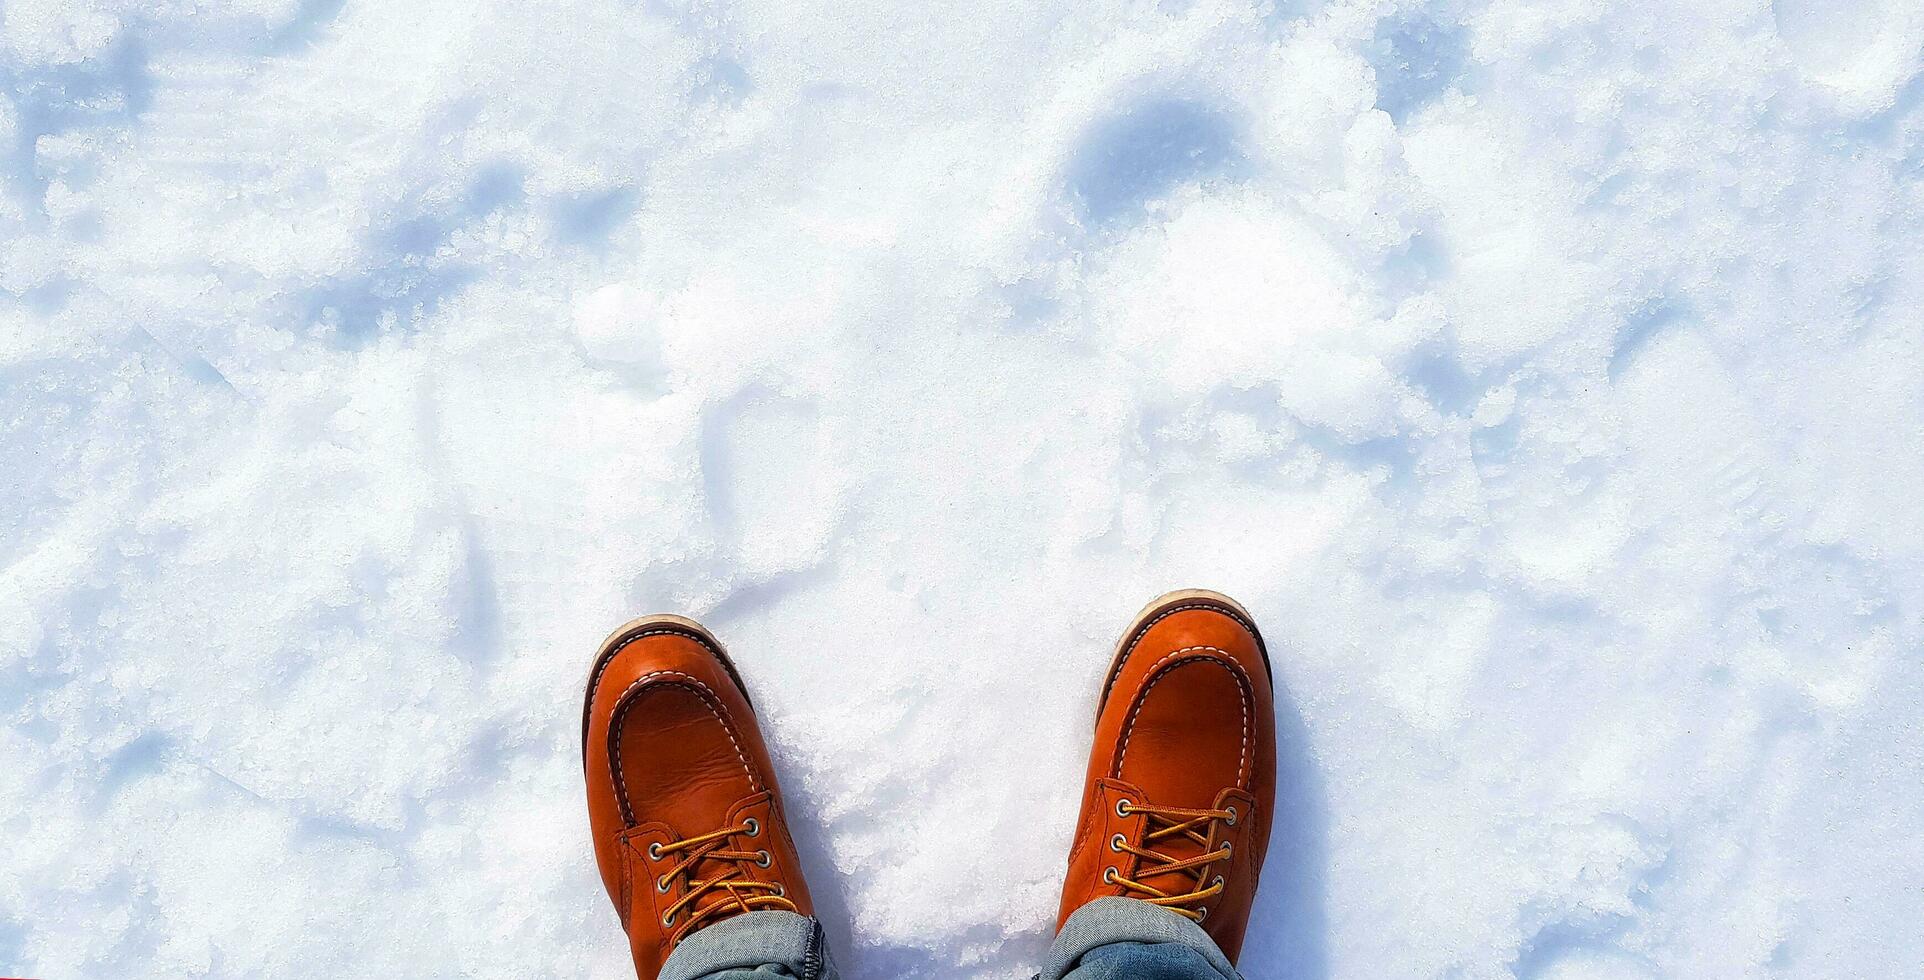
(1546, 376)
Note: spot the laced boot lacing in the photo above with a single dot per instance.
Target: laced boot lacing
(1165, 825)
(731, 886)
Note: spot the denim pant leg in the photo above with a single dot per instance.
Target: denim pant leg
(762, 945)
(1124, 939)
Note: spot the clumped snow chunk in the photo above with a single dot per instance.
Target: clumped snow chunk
(1545, 376)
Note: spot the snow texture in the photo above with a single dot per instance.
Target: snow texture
(1544, 375)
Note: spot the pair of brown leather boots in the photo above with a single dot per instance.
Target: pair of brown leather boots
(688, 825)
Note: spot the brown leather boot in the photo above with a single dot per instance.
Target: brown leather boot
(682, 801)
(1183, 776)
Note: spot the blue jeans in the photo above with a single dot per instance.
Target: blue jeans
(1107, 939)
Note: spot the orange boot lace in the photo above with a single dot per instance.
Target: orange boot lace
(1181, 881)
(728, 891)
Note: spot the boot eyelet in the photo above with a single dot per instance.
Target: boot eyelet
(668, 920)
(1116, 842)
(763, 859)
(1227, 849)
(754, 827)
(779, 890)
(654, 851)
(1109, 875)
(1202, 914)
(1122, 807)
(1217, 883)
(661, 884)
(1232, 816)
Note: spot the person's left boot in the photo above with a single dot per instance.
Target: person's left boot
(682, 801)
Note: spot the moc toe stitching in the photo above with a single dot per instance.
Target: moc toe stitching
(1163, 668)
(687, 682)
(612, 651)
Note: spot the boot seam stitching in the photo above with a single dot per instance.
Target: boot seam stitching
(1115, 673)
(602, 667)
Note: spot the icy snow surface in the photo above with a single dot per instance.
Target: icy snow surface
(1545, 376)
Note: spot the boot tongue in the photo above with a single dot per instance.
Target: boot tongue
(1177, 847)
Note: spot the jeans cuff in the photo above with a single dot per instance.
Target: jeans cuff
(1127, 920)
(751, 941)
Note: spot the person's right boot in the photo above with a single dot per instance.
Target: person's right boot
(1182, 780)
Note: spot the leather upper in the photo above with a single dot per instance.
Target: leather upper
(671, 752)
(1186, 723)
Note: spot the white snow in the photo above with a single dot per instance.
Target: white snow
(1546, 376)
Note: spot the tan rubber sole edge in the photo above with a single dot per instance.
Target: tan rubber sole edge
(1169, 602)
(667, 622)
